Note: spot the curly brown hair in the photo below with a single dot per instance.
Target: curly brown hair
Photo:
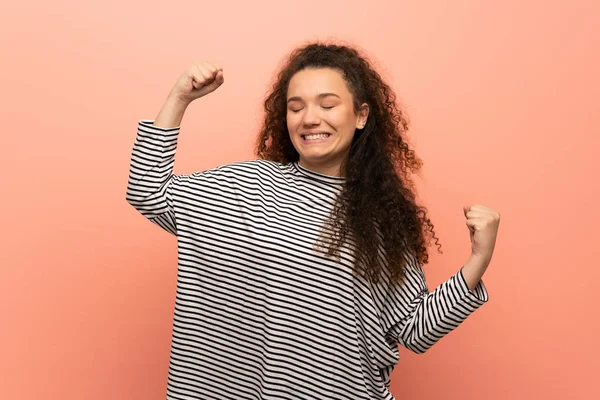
(377, 205)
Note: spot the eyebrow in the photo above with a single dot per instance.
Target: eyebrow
(320, 96)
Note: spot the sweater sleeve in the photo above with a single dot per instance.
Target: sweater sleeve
(151, 174)
(417, 319)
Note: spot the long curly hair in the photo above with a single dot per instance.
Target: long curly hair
(376, 208)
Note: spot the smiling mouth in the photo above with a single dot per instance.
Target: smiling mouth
(316, 136)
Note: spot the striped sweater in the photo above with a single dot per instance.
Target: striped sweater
(259, 312)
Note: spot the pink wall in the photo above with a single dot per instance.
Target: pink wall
(503, 97)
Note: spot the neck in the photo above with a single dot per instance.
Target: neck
(332, 168)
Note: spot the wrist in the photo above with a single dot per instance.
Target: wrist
(176, 102)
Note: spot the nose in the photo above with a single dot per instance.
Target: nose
(311, 116)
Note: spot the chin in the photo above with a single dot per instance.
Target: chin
(315, 158)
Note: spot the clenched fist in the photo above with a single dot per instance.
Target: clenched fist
(199, 80)
(483, 225)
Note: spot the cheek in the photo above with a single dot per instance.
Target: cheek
(343, 121)
(292, 121)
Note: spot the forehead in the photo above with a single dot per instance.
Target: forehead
(312, 81)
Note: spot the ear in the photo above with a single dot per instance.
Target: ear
(363, 114)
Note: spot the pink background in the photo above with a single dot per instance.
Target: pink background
(503, 98)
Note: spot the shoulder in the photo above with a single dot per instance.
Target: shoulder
(257, 166)
(257, 169)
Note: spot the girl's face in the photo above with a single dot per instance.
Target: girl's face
(321, 119)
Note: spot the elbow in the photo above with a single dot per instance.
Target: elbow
(135, 198)
(130, 200)
(419, 346)
(136, 203)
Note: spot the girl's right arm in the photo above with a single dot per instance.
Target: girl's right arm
(153, 155)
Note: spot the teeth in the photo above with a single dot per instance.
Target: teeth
(317, 136)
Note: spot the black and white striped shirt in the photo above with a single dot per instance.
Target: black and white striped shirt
(260, 313)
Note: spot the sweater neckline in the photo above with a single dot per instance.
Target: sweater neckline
(318, 176)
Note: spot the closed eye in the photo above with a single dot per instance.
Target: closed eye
(300, 109)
